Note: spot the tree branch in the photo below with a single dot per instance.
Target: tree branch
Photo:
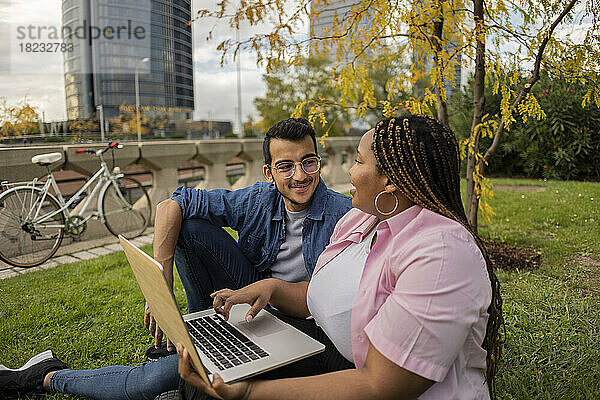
(374, 38)
(527, 87)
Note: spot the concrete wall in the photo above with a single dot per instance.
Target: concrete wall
(164, 157)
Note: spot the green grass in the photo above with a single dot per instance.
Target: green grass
(552, 313)
(563, 221)
(90, 313)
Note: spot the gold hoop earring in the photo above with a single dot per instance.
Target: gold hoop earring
(395, 205)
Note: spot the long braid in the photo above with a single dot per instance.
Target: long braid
(420, 156)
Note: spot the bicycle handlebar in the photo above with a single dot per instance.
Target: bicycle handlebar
(111, 145)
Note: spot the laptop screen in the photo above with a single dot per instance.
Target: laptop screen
(159, 296)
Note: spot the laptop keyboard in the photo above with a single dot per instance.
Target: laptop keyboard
(225, 346)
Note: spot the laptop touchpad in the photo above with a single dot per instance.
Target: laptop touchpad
(262, 326)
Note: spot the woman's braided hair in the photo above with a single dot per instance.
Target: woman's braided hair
(420, 156)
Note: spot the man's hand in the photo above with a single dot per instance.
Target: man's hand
(219, 389)
(257, 295)
(154, 329)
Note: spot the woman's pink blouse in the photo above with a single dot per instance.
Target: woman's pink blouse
(422, 300)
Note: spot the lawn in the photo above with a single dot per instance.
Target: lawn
(552, 313)
(90, 313)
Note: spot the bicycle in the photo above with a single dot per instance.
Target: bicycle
(34, 221)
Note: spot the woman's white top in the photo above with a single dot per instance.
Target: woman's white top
(331, 293)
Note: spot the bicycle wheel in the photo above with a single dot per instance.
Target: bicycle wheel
(126, 207)
(24, 242)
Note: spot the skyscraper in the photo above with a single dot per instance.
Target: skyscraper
(322, 23)
(324, 14)
(113, 41)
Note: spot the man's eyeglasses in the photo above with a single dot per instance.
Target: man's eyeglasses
(286, 169)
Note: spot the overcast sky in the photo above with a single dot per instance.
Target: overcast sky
(40, 78)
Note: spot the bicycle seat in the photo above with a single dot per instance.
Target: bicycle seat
(46, 159)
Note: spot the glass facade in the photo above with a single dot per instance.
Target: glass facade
(77, 62)
(322, 23)
(148, 38)
(323, 15)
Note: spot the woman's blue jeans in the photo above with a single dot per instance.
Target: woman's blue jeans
(120, 382)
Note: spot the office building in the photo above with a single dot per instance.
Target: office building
(323, 17)
(322, 23)
(114, 41)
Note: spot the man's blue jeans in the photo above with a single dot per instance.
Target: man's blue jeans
(208, 259)
(120, 382)
(153, 378)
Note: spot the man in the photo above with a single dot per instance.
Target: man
(283, 224)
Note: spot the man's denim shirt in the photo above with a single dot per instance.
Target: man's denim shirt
(257, 213)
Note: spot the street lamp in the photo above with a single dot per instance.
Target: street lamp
(100, 109)
(137, 96)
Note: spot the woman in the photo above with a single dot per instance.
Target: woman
(405, 289)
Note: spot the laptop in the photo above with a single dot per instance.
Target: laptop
(236, 349)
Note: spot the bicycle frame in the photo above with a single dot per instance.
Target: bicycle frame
(36, 217)
(105, 179)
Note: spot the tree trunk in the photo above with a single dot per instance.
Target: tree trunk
(438, 27)
(535, 76)
(472, 201)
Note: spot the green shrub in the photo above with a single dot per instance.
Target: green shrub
(54, 139)
(565, 145)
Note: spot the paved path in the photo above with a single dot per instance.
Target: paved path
(71, 252)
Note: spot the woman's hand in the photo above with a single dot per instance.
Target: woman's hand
(219, 389)
(257, 295)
